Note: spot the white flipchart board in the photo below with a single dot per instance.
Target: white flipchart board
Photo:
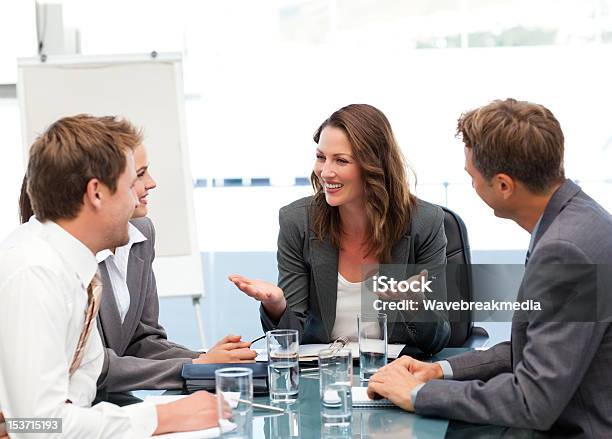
(149, 92)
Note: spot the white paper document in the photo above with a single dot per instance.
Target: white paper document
(312, 350)
(361, 399)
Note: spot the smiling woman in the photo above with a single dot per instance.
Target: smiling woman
(361, 220)
(145, 181)
(336, 169)
(372, 196)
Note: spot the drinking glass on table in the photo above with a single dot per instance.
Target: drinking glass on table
(335, 381)
(372, 329)
(283, 367)
(234, 386)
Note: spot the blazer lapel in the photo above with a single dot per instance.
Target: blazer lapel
(324, 263)
(135, 284)
(402, 254)
(110, 320)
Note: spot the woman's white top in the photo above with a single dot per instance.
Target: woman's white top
(348, 305)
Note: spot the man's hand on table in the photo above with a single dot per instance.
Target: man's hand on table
(397, 380)
(422, 370)
(197, 411)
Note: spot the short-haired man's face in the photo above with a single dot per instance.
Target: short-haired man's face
(483, 188)
(119, 207)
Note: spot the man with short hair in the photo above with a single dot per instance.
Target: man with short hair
(554, 374)
(81, 177)
(138, 354)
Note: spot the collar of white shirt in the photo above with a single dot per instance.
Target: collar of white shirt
(75, 254)
(134, 235)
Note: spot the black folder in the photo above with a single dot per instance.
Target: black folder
(202, 376)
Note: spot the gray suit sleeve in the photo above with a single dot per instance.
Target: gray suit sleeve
(293, 278)
(133, 373)
(482, 365)
(150, 339)
(555, 358)
(150, 362)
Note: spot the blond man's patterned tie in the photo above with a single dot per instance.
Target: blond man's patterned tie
(94, 294)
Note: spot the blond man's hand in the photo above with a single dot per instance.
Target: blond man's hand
(197, 411)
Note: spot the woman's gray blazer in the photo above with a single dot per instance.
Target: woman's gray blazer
(308, 276)
(138, 354)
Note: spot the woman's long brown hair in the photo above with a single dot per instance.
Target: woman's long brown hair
(388, 201)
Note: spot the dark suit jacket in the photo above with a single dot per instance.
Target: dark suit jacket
(138, 355)
(555, 371)
(308, 275)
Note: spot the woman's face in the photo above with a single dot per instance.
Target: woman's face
(337, 169)
(144, 183)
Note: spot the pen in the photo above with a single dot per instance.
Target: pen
(259, 338)
(262, 406)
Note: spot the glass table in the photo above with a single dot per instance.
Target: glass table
(303, 419)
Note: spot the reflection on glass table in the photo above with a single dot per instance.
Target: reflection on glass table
(303, 418)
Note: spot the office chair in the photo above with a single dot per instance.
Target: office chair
(459, 283)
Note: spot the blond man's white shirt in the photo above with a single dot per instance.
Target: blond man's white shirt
(44, 274)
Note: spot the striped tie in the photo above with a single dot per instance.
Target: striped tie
(94, 293)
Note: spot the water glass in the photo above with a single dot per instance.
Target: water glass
(283, 367)
(372, 343)
(234, 386)
(335, 380)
